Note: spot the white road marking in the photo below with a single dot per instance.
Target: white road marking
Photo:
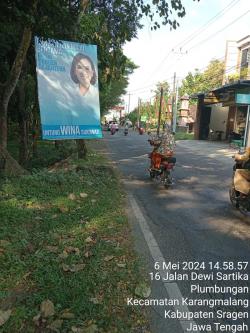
(171, 287)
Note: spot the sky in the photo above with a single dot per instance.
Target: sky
(201, 37)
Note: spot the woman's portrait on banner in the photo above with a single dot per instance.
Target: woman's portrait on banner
(83, 73)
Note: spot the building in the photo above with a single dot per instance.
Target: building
(237, 60)
(224, 111)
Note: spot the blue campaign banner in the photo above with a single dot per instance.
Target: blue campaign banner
(68, 92)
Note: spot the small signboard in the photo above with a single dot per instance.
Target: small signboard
(242, 98)
(118, 108)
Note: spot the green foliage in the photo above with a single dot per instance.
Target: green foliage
(166, 89)
(112, 89)
(244, 73)
(132, 116)
(184, 136)
(149, 110)
(191, 84)
(47, 153)
(198, 81)
(233, 77)
(108, 24)
(213, 75)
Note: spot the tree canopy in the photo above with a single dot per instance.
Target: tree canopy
(108, 24)
(198, 81)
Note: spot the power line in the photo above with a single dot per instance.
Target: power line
(190, 37)
(153, 85)
(193, 36)
(133, 92)
(208, 23)
(149, 86)
(206, 80)
(217, 32)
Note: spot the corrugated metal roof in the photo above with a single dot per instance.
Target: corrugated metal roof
(230, 86)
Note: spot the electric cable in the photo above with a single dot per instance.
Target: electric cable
(148, 86)
(208, 23)
(188, 39)
(217, 32)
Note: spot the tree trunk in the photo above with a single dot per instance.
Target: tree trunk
(34, 128)
(80, 143)
(59, 143)
(3, 122)
(81, 148)
(9, 166)
(9, 86)
(35, 137)
(23, 124)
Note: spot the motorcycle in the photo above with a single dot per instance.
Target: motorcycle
(161, 165)
(112, 130)
(239, 200)
(125, 131)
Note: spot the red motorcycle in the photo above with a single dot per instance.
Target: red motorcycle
(161, 165)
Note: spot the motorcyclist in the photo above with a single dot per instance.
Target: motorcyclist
(113, 128)
(164, 145)
(126, 129)
(242, 176)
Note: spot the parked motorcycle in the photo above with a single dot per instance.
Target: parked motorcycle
(239, 200)
(161, 165)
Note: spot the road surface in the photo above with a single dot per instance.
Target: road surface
(189, 229)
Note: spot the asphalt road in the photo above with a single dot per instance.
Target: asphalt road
(192, 221)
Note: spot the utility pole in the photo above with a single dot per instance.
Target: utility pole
(159, 114)
(175, 108)
(129, 102)
(138, 113)
(173, 102)
(247, 127)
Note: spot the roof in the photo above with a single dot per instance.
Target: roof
(240, 40)
(231, 86)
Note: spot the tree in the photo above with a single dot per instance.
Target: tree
(191, 84)
(132, 116)
(213, 75)
(112, 90)
(198, 81)
(19, 21)
(109, 24)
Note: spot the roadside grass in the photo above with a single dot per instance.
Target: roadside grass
(184, 136)
(65, 238)
(47, 153)
(178, 135)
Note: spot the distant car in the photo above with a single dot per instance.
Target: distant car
(116, 125)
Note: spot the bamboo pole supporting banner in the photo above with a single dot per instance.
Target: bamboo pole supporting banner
(159, 114)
